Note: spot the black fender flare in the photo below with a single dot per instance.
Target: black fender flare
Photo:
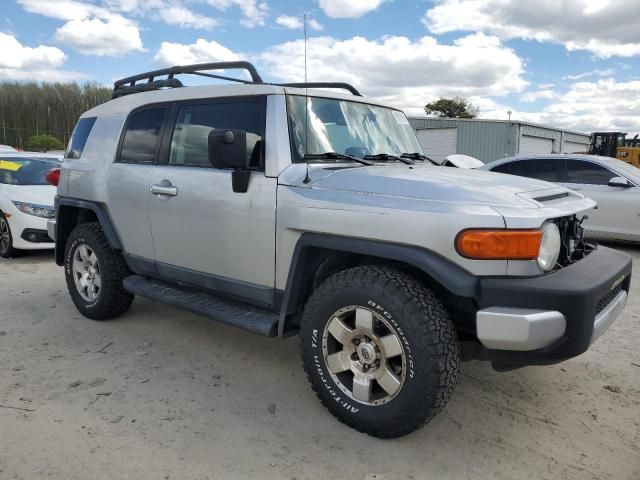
(450, 276)
(64, 224)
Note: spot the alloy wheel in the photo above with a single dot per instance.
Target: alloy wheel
(5, 236)
(364, 355)
(86, 273)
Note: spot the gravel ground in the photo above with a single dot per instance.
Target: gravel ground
(163, 394)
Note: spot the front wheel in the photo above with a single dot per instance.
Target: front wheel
(6, 239)
(94, 273)
(379, 349)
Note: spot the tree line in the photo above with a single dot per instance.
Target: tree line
(29, 109)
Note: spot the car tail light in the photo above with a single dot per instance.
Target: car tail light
(53, 176)
(499, 244)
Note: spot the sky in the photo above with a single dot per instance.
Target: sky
(573, 64)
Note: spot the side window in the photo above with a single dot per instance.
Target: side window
(79, 138)
(504, 168)
(189, 143)
(541, 169)
(588, 173)
(141, 136)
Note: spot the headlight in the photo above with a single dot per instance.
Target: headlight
(549, 246)
(36, 210)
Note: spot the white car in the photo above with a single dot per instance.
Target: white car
(26, 201)
(7, 148)
(462, 161)
(613, 184)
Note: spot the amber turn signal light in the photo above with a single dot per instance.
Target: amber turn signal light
(499, 244)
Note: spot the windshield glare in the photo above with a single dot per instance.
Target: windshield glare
(349, 128)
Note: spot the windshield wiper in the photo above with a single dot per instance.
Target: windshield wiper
(387, 156)
(418, 156)
(336, 156)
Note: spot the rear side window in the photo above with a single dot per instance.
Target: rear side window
(140, 141)
(25, 171)
(79, 138)
(541, 169)
(588, 173)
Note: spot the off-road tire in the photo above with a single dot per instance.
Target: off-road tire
(8, 251)
(424, 328)
(112, 299)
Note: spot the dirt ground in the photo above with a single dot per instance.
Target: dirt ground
(163, 394)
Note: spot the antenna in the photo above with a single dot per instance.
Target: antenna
(306, 102)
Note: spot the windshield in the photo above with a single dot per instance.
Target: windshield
(25, 171)
(348, 128)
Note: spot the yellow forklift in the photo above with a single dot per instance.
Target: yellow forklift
(616, 145)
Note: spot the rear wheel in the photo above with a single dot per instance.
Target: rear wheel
(379, 349)
(94, 273)
(6, 240)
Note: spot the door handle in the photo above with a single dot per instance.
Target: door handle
(169, 190)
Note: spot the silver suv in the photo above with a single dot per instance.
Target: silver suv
(283, 209)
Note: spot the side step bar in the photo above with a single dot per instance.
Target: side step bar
(253, 319)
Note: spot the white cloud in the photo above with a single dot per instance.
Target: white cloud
(400, 71)
(315, 25)
(594, 72)
(254, 12)
(348, 8)
(594, 26)
(19, 62)
(90, 29)
(183, 17)
(297, 23)
(544, 94)
(202, 51)
(586, 106)
(62, 9)
(16, 55)
(289, 22)
(111, 37)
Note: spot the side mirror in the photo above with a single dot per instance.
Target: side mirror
(620, 182)
(228, 149)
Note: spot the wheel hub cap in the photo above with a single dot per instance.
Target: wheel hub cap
(86, 273)
(364, 355)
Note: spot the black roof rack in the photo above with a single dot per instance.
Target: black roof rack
(144, 82)
(339, 85)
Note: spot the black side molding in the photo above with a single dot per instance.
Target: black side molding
(452, 277)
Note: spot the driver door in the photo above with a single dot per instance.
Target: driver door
(204, 233)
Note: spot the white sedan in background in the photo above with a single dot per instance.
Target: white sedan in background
(613, 184)
(26, 201)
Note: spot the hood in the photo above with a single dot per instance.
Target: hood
(433, 183)
(36, 194)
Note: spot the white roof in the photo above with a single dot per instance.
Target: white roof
(126, 103)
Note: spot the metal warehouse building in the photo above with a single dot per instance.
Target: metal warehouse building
(489, 140)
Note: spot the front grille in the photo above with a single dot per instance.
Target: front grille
(608, 298)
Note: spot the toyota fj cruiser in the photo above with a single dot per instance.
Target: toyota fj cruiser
(283, 209)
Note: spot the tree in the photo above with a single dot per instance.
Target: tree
(31, 108)
(44, 143)
(456, 107)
